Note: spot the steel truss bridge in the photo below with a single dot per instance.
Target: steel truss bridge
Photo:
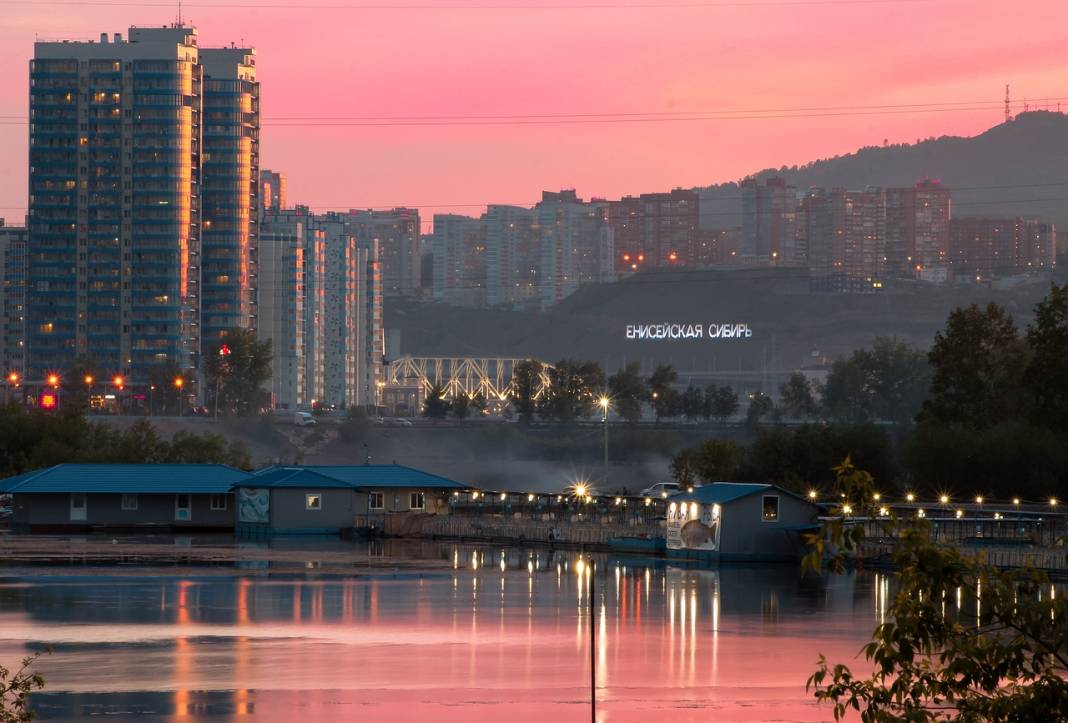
(490, 377)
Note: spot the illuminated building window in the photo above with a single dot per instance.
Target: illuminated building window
(313, 502)
(770, 508)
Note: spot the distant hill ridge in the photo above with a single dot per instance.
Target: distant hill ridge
(1012, 169)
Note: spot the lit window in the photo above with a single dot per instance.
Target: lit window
(129, 502)
(417, 501)
(770, 508)
(377, 501)
(313, 502)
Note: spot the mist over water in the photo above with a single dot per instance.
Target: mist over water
(478, 633)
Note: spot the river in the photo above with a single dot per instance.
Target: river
(478, 633)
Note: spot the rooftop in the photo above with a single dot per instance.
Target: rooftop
(126, 479)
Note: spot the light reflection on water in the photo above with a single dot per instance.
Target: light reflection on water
(484, 634)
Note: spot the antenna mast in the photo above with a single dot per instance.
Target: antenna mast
(1008, 107)
(179, 12)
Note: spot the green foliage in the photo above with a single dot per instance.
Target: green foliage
(979, 363)
(665, 399)
(628, 392)
(478, 404)
(713, 460)
(760, 406)
(353, 428)
(15, 689)
(237, 377)
(886, 383)
(30, 439)
(693, 402)
(720, 402)
(164, 395)
(436, 406)
(802, 457)
(526, 379)
(461, 407)
(573, 390)
(1000, 655)
(1046, 378)
(796, 397)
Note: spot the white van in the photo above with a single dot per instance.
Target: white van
(303, 419)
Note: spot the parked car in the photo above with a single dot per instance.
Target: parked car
(303, 419)
(662, 489)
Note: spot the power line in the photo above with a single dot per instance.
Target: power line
(646, 5)
(590, 120)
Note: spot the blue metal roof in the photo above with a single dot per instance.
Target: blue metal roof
(292, 477)
(371, 476)
(722, 492)
(126, 479)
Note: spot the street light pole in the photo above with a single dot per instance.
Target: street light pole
(605, 401)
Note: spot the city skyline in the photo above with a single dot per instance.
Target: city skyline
(614, 60)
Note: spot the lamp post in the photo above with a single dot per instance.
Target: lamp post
(604, 402)
(118, 383)
(224, 353)
(88, 391)
(178, 384)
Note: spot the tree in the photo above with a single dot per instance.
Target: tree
(236, 366)
(628, 392)
(479, 404)
(571, 392)
(1046, 378)
(693, 402)
(796, 397)
(353, 428)
(661, 391)
(75, 387)
(436, 406)
(720, 402)
(15, 689)
(461, 407)
(166, 395)
(1006, 661)
(886, 383)
(978, 365)
(760, 406)
(713, 460)
(523, 392)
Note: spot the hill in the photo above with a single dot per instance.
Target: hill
(1014, 168)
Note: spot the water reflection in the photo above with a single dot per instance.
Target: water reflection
(482, 634)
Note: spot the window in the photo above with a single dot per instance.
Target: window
(219, 502)
(129, 502)
(377, 501)
(770, 508)
(416, 501)
(313, 502)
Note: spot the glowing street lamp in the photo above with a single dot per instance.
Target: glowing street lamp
(812, 494)
(53, 381)
(118, 381)
(13, 379)
(604, 402)
(179, 382)
(910, 497)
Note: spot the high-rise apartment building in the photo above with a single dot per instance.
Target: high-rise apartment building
(229, 190)
(654, 230)
(988, 246)
(768, 222)
(396, 232)
(512, 257)
(281, 307)
(845, 235)
(917, 228)
(273, 191)
(333, 331)
(135, 146)
(13, 311)
(459, 251)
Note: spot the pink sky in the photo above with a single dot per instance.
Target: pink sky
(420, 62)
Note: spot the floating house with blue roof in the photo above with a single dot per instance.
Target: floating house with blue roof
(69, 497)
(735, 522)
(328, 499)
